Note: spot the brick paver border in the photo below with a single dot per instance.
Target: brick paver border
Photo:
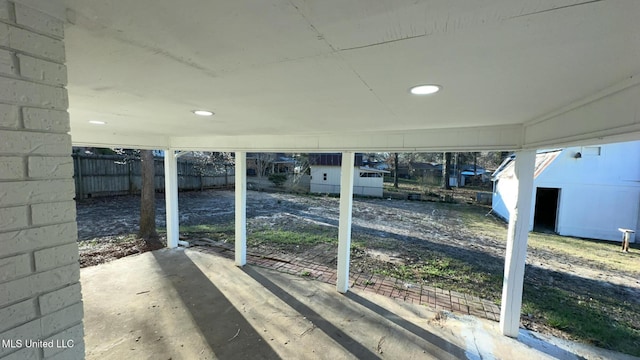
(435, 298)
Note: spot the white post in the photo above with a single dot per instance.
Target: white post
(241, 208)
(344, 230)
(171, 197)
(517, 236)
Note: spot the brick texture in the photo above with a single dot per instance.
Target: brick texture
(47, 120)
(38, 21)
(76, 352)
(23, 142)
(31, 192)
(39, 272)
(53, 213)
(57, 256)
(30, 330)
(61, 319)
(17, 314)
(4, 34)
(49, 167)
(29, 93)
(42, 70)
(15, 242)
(59, 299)
(24, 288)
(13, 218)
(7, 65)
(4, 10)
(36, 44)
(74, 332)
(11, 168)
(9, 116)
(24, 354)
(15, 267)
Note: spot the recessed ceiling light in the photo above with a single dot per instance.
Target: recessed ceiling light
(97, 122)
(202, 112)
(425, 89)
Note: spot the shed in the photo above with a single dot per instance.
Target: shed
(325, 176)
(588, 191)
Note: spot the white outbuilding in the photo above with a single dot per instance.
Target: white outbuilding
(587, 192)
(325, 176)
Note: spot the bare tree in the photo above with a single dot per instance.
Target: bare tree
(301, 168)
(263, 162)
(148, 199)
(446, 169)
(395, 170)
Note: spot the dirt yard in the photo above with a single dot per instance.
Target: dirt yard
(455, 246)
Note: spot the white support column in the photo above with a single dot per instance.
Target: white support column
(171, 197)
(241, 208)
(517, 236)
(344, 230)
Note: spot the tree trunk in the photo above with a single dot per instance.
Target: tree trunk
(395, 172)
(475, 164)
(147, 198)
(446, 170)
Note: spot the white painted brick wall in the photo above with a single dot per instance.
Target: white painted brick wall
(13, 218)
(47, 281)
(76, 352)
(71, 333)
(17, 314)
(24, 354)
(35, 44)
(43, 119)
(7, 65)
(4, 34)
(15, 267)
(31, 192)
(38, 21)
(57, 256)
(41, 70)
(61, 319)
(30, 330)
(27, 142)
(58, 299)
(39, 272)
(11, 168)
(59, 277)
(53, 213)
(4, 10)
(29, 93)
(9, 116)
(14, 291)
(15, 242)
(49, 167)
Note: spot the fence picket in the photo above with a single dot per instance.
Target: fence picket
(108, 175)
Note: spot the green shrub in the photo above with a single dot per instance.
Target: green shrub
(278, 179)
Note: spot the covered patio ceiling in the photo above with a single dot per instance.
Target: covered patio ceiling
(334, 75)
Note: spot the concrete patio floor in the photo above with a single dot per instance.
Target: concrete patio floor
(186, 304)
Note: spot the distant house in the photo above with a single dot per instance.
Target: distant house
(459, 175)
(325, 175)
(269, 163)
(588, 191)
(419, 169)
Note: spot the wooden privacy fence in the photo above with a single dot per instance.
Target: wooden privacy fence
(108, 175)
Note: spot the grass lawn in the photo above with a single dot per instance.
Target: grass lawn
(587, 310)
